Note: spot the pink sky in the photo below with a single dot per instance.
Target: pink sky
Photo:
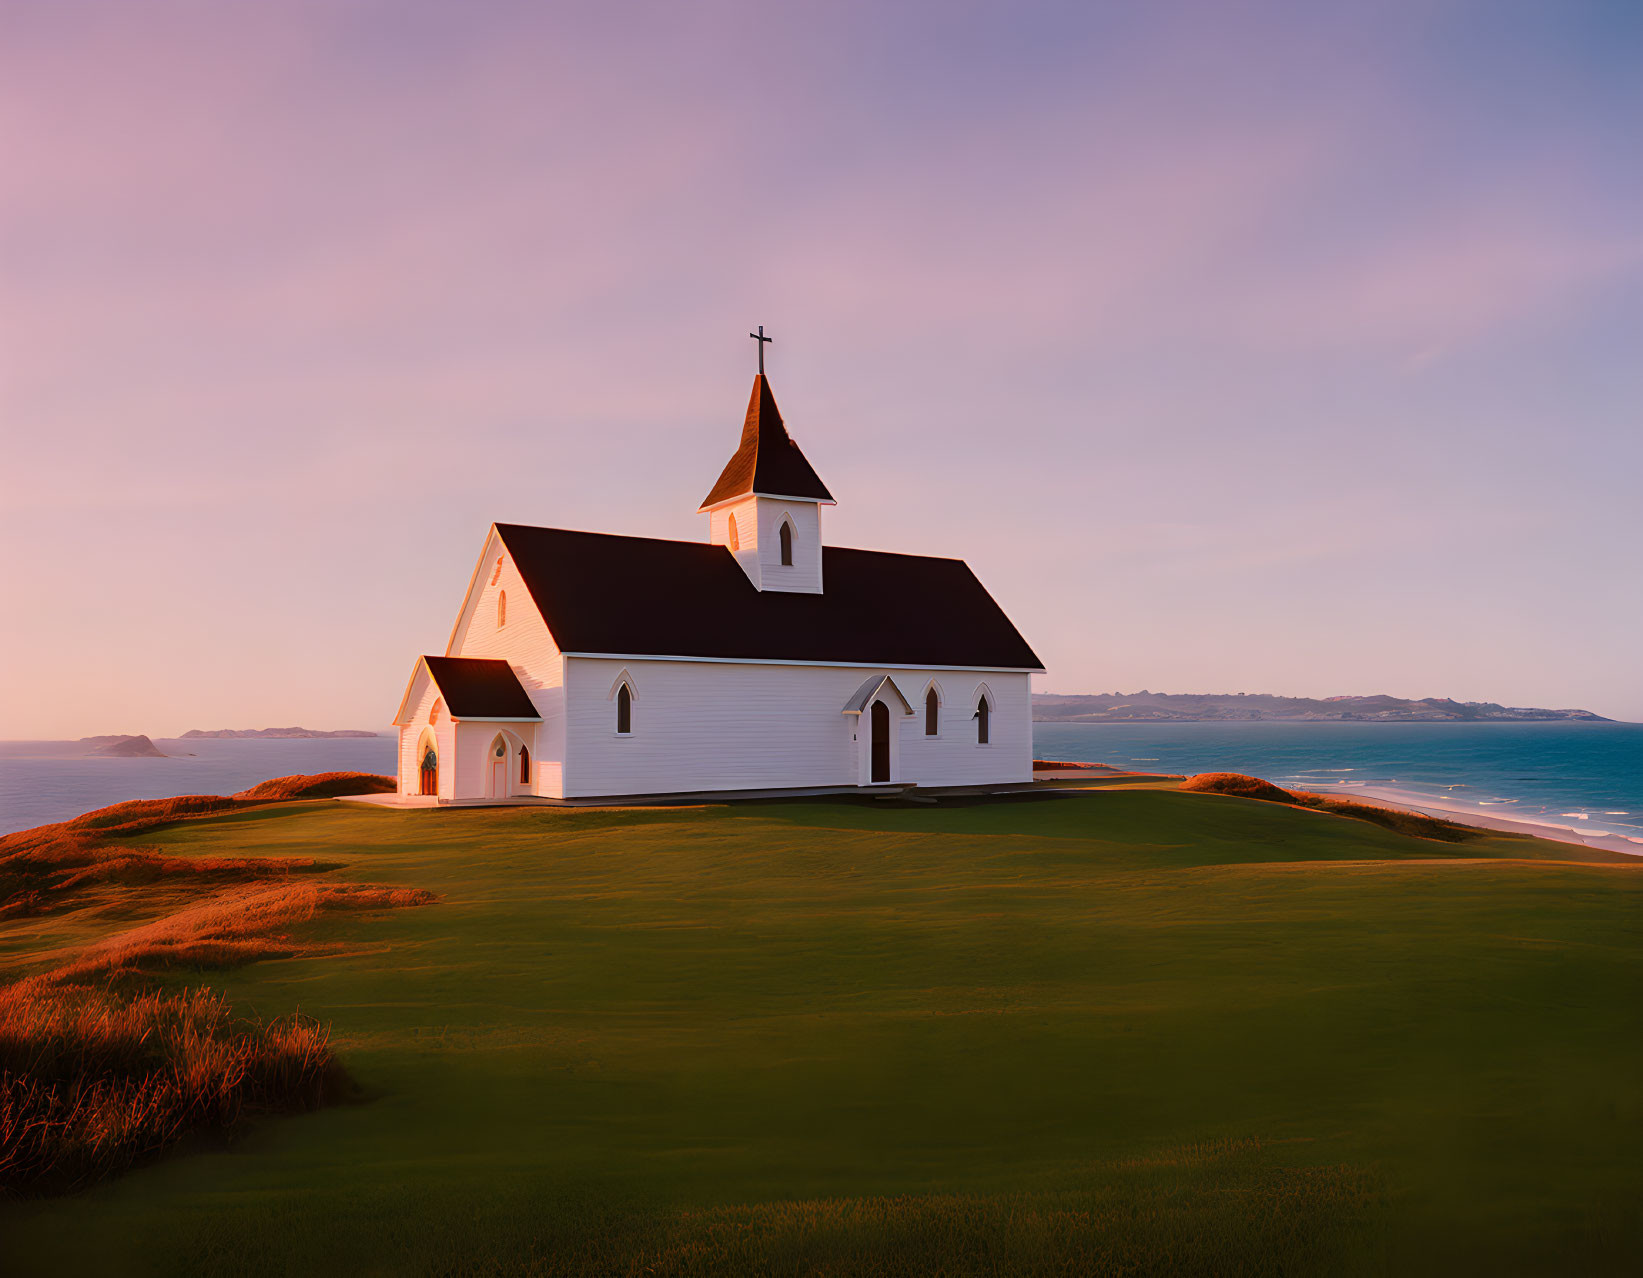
(1236, 347)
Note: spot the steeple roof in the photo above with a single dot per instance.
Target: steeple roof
(766, 462)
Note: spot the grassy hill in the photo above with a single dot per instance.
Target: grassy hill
(1131, 1030)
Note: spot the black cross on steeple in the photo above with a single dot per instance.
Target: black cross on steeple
(761, 339)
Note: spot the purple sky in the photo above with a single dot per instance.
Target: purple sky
(1283, 348)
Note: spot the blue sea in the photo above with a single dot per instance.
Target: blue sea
(1581, 776)
(43, 781)
(1585, 776)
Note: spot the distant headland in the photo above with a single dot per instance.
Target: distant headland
(195, 734)
(1189, 707)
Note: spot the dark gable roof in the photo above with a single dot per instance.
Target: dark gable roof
(635, 596)
(479, 688)
(767, 461)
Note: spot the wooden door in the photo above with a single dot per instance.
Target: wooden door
(430, 773)
(881, 741)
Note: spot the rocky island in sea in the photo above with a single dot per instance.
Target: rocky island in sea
(118, 747)
(1190, 707)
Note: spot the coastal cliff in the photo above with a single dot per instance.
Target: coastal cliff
(1166, 707)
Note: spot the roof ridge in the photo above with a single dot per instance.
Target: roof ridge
(588, 532)
(707, 545)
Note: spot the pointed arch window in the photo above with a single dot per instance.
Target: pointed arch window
(787, 544)
(984, 714)
(731, 537)
(496, 576)
(624, 710)
(501, 609)
(932, 712)
(524, 765)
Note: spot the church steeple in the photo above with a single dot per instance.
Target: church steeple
(766, 507)
(767, 463)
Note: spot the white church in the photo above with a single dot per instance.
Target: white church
(585, 664)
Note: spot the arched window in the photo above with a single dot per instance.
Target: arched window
(524, 765)
(787, 544)
(932, 713)
(495, 576)
(731, 537)
(983, 712)
(501, 609)
(624, 710)
(438, 708)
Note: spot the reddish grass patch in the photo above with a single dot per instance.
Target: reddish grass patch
(93, 1081)
(49, 874)
(234, 927)
(138, 815)
(1412, 824)
(98, 1073)
(319, 785)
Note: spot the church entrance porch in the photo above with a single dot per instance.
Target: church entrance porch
(876, 713)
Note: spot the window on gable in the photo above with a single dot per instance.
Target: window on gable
(497, 575)
(932, 713)
(787, 544)
(501, 609)
(624, 710)
(732, 538)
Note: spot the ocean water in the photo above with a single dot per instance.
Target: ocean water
(1583, 776)
(43, 781)
(1586, 776)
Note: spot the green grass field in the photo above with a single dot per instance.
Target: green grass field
(1130, 1030)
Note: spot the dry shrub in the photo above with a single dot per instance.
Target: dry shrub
(320, 785)
(1412, 824)
(1238, 785)
(234, 927)
(93, 1081)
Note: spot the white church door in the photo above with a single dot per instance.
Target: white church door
(499, 769)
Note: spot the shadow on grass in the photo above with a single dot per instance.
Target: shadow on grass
(1224, 1208)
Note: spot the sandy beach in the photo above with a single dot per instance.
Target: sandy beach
(1468, 814)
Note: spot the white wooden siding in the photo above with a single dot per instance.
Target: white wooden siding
(727, 726)
(527, 645)
(423, 695)
(758, 536)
